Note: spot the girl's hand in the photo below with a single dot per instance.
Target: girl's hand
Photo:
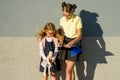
(60, 44)
(48, 61)
(69, 45)
(52, 60)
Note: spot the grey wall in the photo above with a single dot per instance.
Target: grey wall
(23, 17)
(19, 50)
(20, 58)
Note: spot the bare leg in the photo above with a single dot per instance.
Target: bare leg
(73, 75)
(45, 77)
(53, 76)
(69, 69)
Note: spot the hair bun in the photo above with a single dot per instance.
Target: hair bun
(74, 6)
(63, 4)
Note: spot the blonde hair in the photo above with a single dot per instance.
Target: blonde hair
(40, 34)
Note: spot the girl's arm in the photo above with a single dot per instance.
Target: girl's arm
(42, 51)
(55, 51)
(61, 38)
(56, 48)
(79, 31)
(78, 38)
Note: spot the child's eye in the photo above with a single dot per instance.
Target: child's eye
(51, 33)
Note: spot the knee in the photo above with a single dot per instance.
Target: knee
(53, 74)
(46, 75)
(68, 70)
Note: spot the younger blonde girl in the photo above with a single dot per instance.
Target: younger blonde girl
(48, 50)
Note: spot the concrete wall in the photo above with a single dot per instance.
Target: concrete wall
(19, 59)
(19, 50)
(23, 17)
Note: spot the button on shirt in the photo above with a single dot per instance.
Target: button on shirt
(71, 26)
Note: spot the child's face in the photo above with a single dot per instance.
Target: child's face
(50, 33)
(66, 14)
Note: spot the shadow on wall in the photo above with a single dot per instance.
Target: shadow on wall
(93, 44)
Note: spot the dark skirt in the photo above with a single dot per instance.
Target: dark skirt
(55, 67)
(52, 69)
(64, 54)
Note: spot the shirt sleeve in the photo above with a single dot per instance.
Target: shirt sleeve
(79, 23)
(42, 51)
(56, 48)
